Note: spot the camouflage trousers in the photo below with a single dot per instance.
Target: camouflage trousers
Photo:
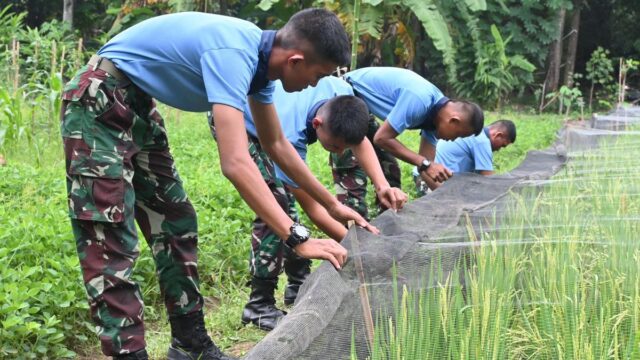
(350, 180)
(119, 172)
(421, 187)
(268, 254)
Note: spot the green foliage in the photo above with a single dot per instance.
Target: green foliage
(10, 24)
(129, 16)
(40, 315)
(534, 132)
(600, 67)
(51, 48)
(436, 27)
(554, 276)
(31, 82)
(496, 74)
(599, 71)
(567, 97)
(33, 220)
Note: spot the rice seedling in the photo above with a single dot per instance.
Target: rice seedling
(556, 276)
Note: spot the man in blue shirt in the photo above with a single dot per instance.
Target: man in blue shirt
(330, 114)
(473, 153)
(405, 101)
(120, 169)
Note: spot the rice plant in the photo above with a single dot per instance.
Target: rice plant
(557, 277)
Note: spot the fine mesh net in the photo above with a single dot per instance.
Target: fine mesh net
(537, 263)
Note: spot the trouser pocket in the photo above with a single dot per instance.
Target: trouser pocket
(96, 185)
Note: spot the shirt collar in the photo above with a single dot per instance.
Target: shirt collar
(309, 131)
(486, 130)
(260, 80)
(431, 115)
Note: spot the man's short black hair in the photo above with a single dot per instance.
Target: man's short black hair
(322, 30)
(474, 115)
(347, 117)
(508, 127)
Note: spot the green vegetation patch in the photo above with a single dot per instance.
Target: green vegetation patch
(558, 279)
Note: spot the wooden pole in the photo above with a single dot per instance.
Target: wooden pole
(362, 289)
(355, 37)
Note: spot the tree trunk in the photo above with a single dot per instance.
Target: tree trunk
(67, 11)
(572, 46)
(555, 57)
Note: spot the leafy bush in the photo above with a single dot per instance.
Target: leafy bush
(496, 74)
(42, 306)
(600, 73)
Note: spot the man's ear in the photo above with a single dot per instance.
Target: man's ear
(295, 58)
(316, 122)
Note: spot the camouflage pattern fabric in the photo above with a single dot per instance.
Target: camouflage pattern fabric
(350, 180)
(421, 186)
(120, 170)
(268, 251)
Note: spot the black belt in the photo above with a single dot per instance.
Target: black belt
(107, 66)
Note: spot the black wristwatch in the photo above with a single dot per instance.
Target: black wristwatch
(424, 166)
(299, 234)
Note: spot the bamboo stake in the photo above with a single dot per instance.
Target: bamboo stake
(78, 61)
(64, 50)
(54, 58)
(355, 34)
(15, 62)
(362, 289)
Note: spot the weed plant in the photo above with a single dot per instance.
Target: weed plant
(555, 277)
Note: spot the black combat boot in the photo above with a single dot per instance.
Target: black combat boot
(190, 341)
(138, 355)
(297, 270)
(261, 309)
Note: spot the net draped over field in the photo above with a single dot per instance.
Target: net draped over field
(426, 244)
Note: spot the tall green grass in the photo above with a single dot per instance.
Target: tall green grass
(558, 278)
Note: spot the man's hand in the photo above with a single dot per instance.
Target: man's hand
(392, 198)
(326, 249)
(438, 172)
(344, 213)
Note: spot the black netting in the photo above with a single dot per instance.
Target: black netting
(424, 244)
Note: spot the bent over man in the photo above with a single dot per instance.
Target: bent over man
(330, 115)
(405, 101)
(120, 169)
(471, 154)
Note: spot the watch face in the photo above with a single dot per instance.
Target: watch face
(301, 231)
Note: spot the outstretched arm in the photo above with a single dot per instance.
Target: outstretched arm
(386, 138)
(238, 167)
(392, 198)
(283, 153)
(319, 215)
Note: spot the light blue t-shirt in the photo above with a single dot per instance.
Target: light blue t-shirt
(467, 154)
(296, 111)
(400, 96)
(192, 60)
